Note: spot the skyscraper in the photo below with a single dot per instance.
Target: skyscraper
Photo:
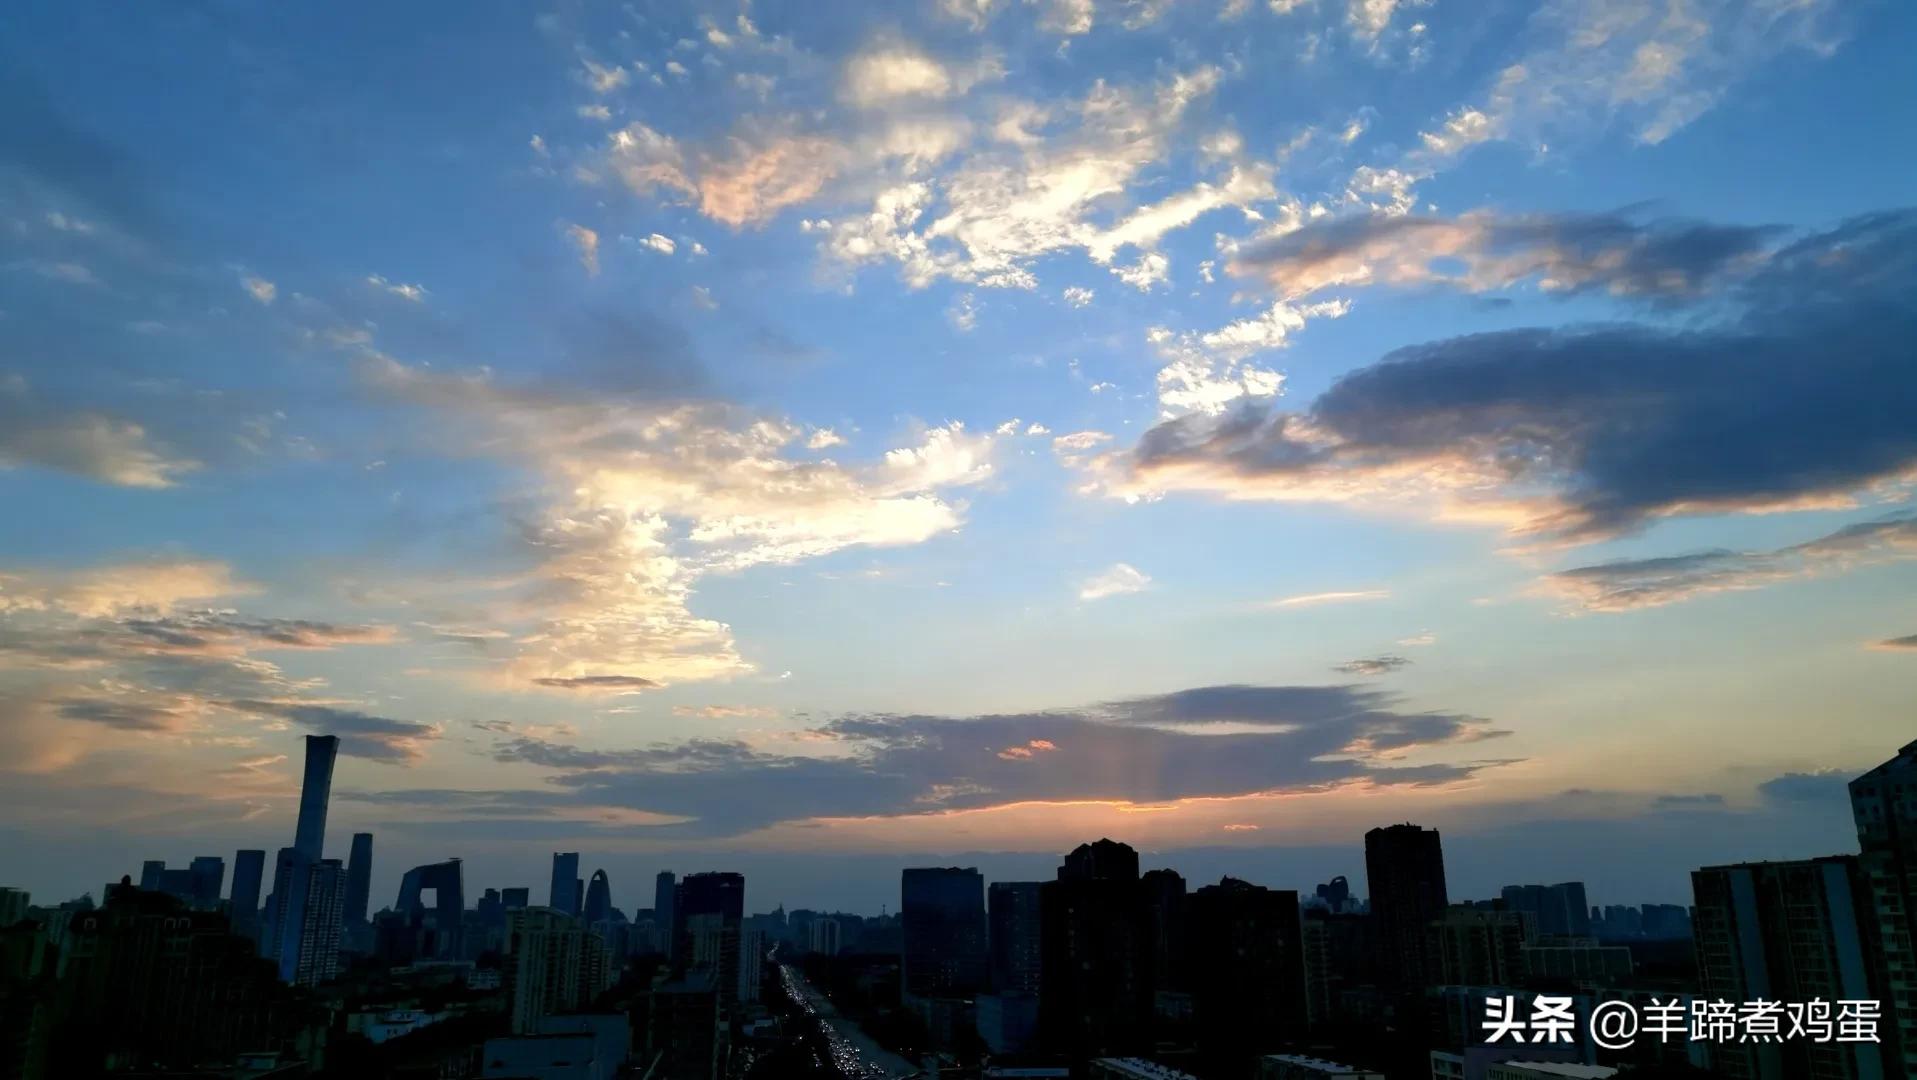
(708, 912)
(1551, 910)
(664, 886)
(1013, 936)
(1884, 804)
(563, 894)
(359, 878)
(1096, 995)
(1248, 971)
(1791, 931)
(317, 949)
(437, 933)
(1404, 869)
(207, 877)
(249, 865)
(292, 869)
(942, 913)
(598, 898)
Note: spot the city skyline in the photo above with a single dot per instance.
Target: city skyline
(1221, 427)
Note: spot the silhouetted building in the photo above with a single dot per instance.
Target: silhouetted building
(359, 877)
(752, 946)
(437, 931)
(1335, 894)
(1472, 946)
(1163, 894)
(686, 1029)
(208, 875)
(1404, 872)
(288, 923)
(1013, 935)
(708, 911)
(943, 912)
(823, 936)
(1883, 804)
(552, 966)
(1790, 931)
(515, 898)
(13, 905)
(562, 895)
(1248, 972)
(1551, 910)
(598, 906)
(1096, 961)
(249, 866)
(1341, 954)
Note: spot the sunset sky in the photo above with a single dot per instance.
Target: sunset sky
(809, 438)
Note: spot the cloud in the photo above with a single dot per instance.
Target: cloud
(1565, 254)
(1631, 584)
(1078, 297)
(1315, 599)
(1897, 644)
(1207, 742)
(153, 587)
(360, 734)
(1120, 579)
(260, 289)
(414, 293)
(587, 241)
(648, 495)
(614, 683)
(661, 244)
(1375, 665)
(889, 73)
(1822, 786)
(1686, 802)
(1797, 398)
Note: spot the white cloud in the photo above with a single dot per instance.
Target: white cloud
(1068, 17)
(897, 71)
(1120, 579)
(1077, 296)
(260, 289)
(594, 112)
(414, 293)
(1150, 270)
(661, 244)
(603, 78)
(963, 314)
(587, 241)
(1315, 599)
(824, 439)
(153, 588)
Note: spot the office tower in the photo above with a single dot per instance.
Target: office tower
(1886, 814)
(598, 907)
(942, 911)
(563, 893)
(708, 911)
(1790, 931)
(292, 869)
(664, 887)
(317, 951)
(1013, 914)
(1163, 892)
(1247, 971)
(207, 877)
(1469, 946)
(686, 1030)
(153, 875)
(1404, 871)
(548, 969)
(1335, 894)
(437, 934)
(359, 878)
(13, 905)
(1551, 910)
(1096, 963)
(513, 899)
(249, 865)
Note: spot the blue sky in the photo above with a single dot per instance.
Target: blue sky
(691, 433)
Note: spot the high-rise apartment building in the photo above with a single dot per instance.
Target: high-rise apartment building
(708, 911)
(1247, 971)
(317, 954)
(548, 966)
(359, 878)
(1789, 931)
(1884, 803)
(1551, 910)
(1404, 869)
(1096, 958)
(942, 914)
(1013, 917)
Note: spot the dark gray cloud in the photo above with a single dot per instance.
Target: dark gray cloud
(1685, 802)
(1803, 397)
(1908, 641)
(1208, 741)
(1627, 584)
(598, 682)
(1663, 261)
(125, 715)
(1373, 665)
(1823, 786)
(378, 738)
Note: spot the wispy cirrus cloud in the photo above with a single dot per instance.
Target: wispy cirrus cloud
(1345, 596)
(1118, 580)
